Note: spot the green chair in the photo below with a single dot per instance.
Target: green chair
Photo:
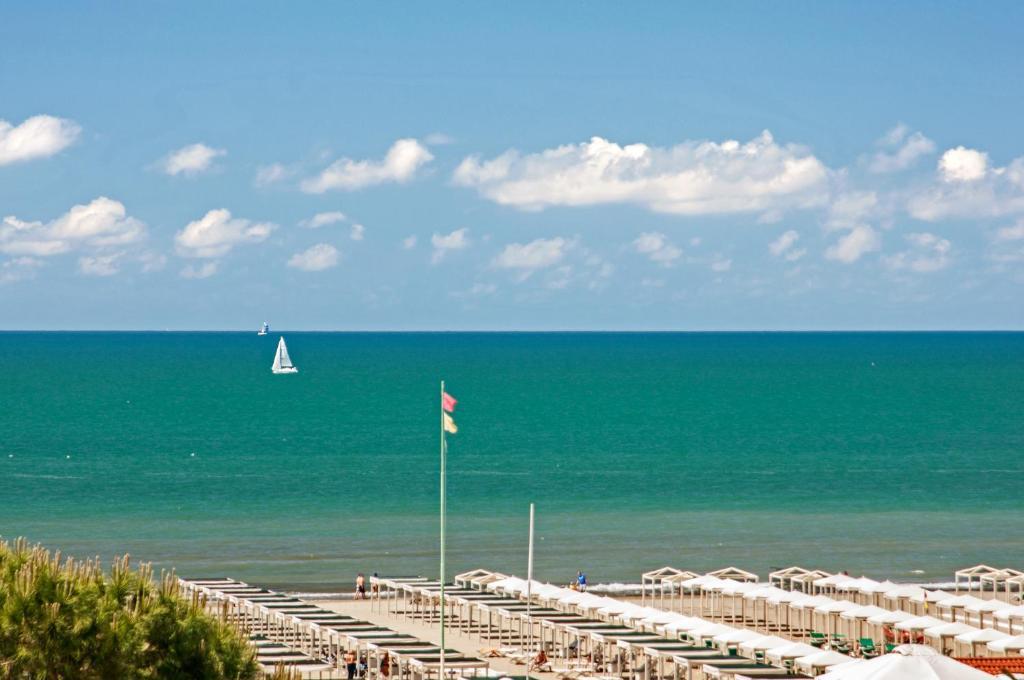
(818, 639)
(867, 648)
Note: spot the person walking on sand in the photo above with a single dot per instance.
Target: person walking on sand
(360, 587)
(581, 582)
(350, 664)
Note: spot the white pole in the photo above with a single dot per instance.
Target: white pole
(443, 490)
(529, 587)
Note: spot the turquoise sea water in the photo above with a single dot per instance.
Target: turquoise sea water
(898, 455)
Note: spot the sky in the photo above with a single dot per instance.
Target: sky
(512, 166)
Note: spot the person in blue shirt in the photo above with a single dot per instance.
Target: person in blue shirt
(581, 581)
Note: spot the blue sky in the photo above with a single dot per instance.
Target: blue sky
(512, 166)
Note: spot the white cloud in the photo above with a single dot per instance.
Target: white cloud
(191, 160)
(1011, 233)
(438, 139)
(315, 258)
(35, 137)
(783, 246)
(323, 219)
(905, 150)
(216, 233)
(963, 165)
(851, 208)
(99, 265)
(19, 269)
(403, 159)
(855, 243)
(965, 186)
(534, 255)
(692, 178)
(457, 240)
(357, 232)
(928, 253)
(721, 265)
(99, 224)
(409, 242)
(657, 247)
(152, 262)
(203, 271)
(272, 174)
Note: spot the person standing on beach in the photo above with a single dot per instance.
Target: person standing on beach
(360, 587)
(581, 581)
(350, 664)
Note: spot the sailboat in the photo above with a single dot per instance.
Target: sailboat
(283, 362)
(264, 330)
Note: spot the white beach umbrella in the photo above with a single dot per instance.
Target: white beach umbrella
(790, 651)
(765, 642)
(907, 662)
(1008, 644)
(821, 658)
(835, 671)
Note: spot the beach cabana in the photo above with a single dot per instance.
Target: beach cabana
(819, 660)
(976, 612)
(907, 662)
(1013, 644)
(805, 582)
(734, 574)
(971, 576)
(926, 601)
(999, 578)
(1011, 619)
(786, 653)
(899, 597)
(828, 584)
(759, 645)
(953, 604)
(671, 584)
(784, 578)
(943, 634)
(831, 610)
(858, 616)
(655, 578)
(979, 636)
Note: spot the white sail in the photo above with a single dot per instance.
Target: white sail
(265, 329)
(283, 362)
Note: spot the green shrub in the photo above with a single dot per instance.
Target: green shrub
(67, 619)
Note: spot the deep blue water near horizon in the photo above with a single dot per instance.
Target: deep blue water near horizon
(894, 454)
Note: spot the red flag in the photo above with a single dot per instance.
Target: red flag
(448, 402)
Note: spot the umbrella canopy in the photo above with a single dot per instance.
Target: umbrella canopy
(908, 662)
(823, 658)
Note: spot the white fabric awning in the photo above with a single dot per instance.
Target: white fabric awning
(948, 630)
(907, 662)
(919, 623)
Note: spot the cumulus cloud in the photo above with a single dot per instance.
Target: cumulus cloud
(403, 160)
(315, 258)
(457, 240)
(216, 233)
(102, 223)
(99, 265)
(191, 160)
(323, 219)
(855, 243)
(536, 254)
(199, 271)
(927, 253)
(657, 247)
(692, 178)
(966, 186)
(963, 165)
(851, 208)
(784, 246)
(35, 137)
(902, 150)
(357, 232)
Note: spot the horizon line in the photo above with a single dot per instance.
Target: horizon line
(522, 331)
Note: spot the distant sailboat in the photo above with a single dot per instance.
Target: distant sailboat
(264, 330)
(283, 362)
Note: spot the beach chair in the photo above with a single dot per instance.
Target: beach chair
(867, 648)
(817, 639)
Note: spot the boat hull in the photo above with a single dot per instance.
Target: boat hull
(279, 371)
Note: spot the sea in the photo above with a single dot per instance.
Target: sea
(895, 455)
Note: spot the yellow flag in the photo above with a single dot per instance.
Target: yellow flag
(449, 424)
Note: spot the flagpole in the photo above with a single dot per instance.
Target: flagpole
(529, 589)
(443, 510)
